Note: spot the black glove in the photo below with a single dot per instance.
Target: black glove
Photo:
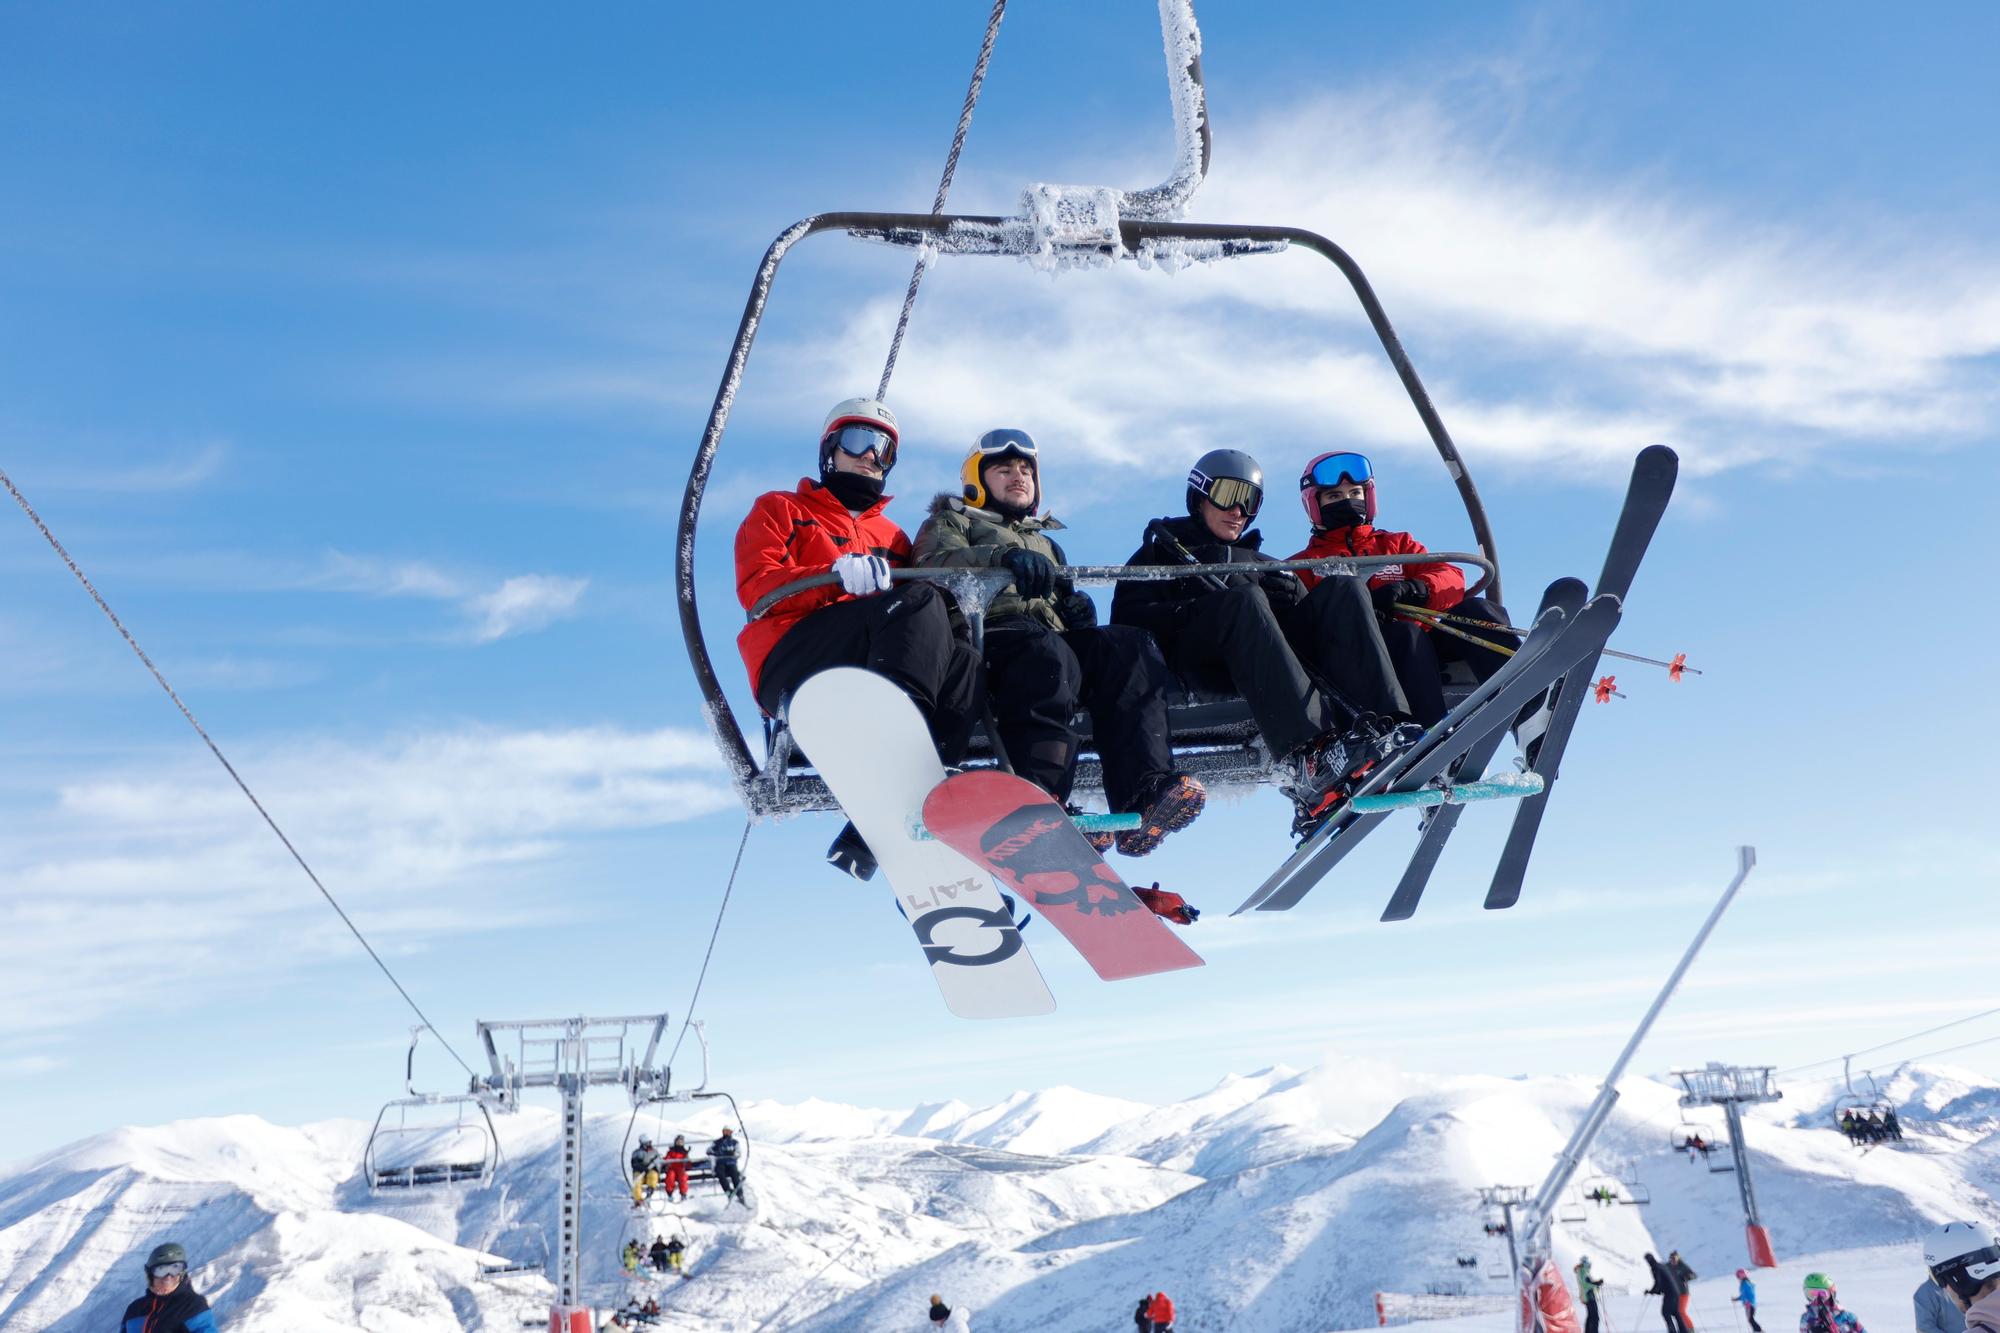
(1415, 592)
(1282, 587)
(1078, 611)
(1034, 573)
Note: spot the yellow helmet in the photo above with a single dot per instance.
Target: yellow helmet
(994, 445)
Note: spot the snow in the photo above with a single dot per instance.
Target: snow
(1280, 1201)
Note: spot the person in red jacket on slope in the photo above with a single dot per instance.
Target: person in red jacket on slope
(903, 633)
(1338, 491)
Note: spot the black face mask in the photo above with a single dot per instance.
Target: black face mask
(853, 489)
(1342, 514)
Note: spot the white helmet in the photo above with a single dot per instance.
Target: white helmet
(866, 412)
(1962, 1256)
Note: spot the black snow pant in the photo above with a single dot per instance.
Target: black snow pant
(1336, 635)
(1670, 1311)
(729, 1177)
(903, 635)
(1750, 1311)
(1420, 655)
(1589, 1316)
(1036, 676)
(1232, 643)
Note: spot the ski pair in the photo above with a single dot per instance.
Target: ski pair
(871, 747)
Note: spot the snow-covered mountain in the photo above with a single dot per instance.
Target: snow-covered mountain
(1278, 1202)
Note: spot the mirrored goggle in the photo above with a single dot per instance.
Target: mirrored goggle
(1336, 468)
(859, 441)
(1233, 493)
(167, 1270)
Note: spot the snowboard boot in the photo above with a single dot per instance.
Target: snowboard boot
(1099, 839)
(850, 855)
(1167, 804)
(1168, 904)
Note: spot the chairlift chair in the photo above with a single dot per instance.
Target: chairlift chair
(1619, 1191)
(464, 1150)
(1717, 1157)
(660, 1093)
(1214, 737)
(509, 1231)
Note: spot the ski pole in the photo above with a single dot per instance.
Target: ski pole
(1426, 615)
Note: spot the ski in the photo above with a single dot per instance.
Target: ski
(1564, 594)
(1652, 486)
(870, 745)
(1020, 834)
(1555, 644)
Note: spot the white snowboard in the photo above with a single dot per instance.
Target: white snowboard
(869, 742)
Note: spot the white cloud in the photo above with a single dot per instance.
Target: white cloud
(527, 602)
(417, 837)
(176, 473)
(1556, 317)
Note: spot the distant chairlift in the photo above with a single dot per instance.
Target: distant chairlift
(430, 1138)
(1604, 1191)
(1714, 1149)
(527, 1241)
(657, 1096)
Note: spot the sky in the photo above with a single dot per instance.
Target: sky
(359, 356)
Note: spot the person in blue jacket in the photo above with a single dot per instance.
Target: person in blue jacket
(171, 1304)
(1934, 1310)
(1746, 1292)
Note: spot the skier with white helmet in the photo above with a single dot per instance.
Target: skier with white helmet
(1045, 651)
(1964, 1261)
(903, 633)
(1312, 668)
(1823, 1313)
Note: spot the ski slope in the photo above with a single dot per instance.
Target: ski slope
(1279, 1201)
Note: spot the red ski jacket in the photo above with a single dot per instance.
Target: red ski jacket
(790, 534)
(1160, 1309)
(1446, 583)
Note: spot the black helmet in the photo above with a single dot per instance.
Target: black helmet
(1226, 478)
(168, 1253)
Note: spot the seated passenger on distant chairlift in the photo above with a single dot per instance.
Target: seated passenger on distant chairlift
(903, 633)
(645, 1170)
(1313, 668)
(722, 1154)
(676, 1159)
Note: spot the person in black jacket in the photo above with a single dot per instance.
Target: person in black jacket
(1668, 1288)
(722, 1156)
(940, 1312)
(171, 1304)
(1313, 668)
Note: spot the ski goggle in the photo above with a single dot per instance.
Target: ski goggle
(1229, 492)
(857, 440)
(1334, 470)
(1000, 443)
(158, 1271)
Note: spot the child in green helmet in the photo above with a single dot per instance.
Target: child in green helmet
(1823, 1313)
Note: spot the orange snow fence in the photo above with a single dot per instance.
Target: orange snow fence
(1545, 1303)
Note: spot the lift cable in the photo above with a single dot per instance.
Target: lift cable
(944, 188)
(1882, 1046)
(229, 768)
(687, 1019)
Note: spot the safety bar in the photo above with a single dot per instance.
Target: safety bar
(990, 581)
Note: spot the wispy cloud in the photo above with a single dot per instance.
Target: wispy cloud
(524, 604)
(1556, 317)
(178, 471)
(421, 836)
(520, 604)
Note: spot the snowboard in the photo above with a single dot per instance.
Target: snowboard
(1017, 831)
(870, 745)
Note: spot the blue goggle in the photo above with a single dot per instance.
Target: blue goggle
(858, 441)
(1335, 469)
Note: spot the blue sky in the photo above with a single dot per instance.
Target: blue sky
(359, 357)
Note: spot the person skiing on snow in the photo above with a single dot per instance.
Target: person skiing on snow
(1746, 1295)
(722, 1155)
(837, 524)
(1823, 1313)
(1339, 495)
(1313, 669)
(171, 1304)
(1685, 1277)
(676, 1161)
(1668, 1288)
(1045, 651)
(1587, 1288)
(645, 1170)
(1963, 1260)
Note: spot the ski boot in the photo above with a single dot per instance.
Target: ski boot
(1099, 839)
(850, 855)
(1167, 804)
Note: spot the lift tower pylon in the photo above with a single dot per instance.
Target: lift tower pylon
(1732, 1087)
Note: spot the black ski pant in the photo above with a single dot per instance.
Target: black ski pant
(1336, 635)
(1750, 1311)
(1589, 1315)
(1035, 678)
(727, 1176)
(1420, 655)
(1670, 1311)
(903, 635)
(1232, 643)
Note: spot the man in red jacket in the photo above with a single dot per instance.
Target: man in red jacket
(837, 523)
(1338, 491)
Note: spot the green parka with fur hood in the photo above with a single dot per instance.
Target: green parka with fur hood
(956, 534)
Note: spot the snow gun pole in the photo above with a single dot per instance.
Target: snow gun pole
(1535, 1243)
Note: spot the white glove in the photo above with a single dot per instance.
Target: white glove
(862, 574)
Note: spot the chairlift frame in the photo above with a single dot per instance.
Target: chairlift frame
(1631, 1193)
(658, 1092)
(1065, 228)
(433, 1170)
(1717, 1143)
(503, 1224)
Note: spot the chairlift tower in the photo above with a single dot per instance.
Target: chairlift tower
(571, 1055)
(1732, 1087)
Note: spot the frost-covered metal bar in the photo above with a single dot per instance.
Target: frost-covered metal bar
(1181, 38)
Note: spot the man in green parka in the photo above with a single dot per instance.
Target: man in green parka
(1045, 651)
